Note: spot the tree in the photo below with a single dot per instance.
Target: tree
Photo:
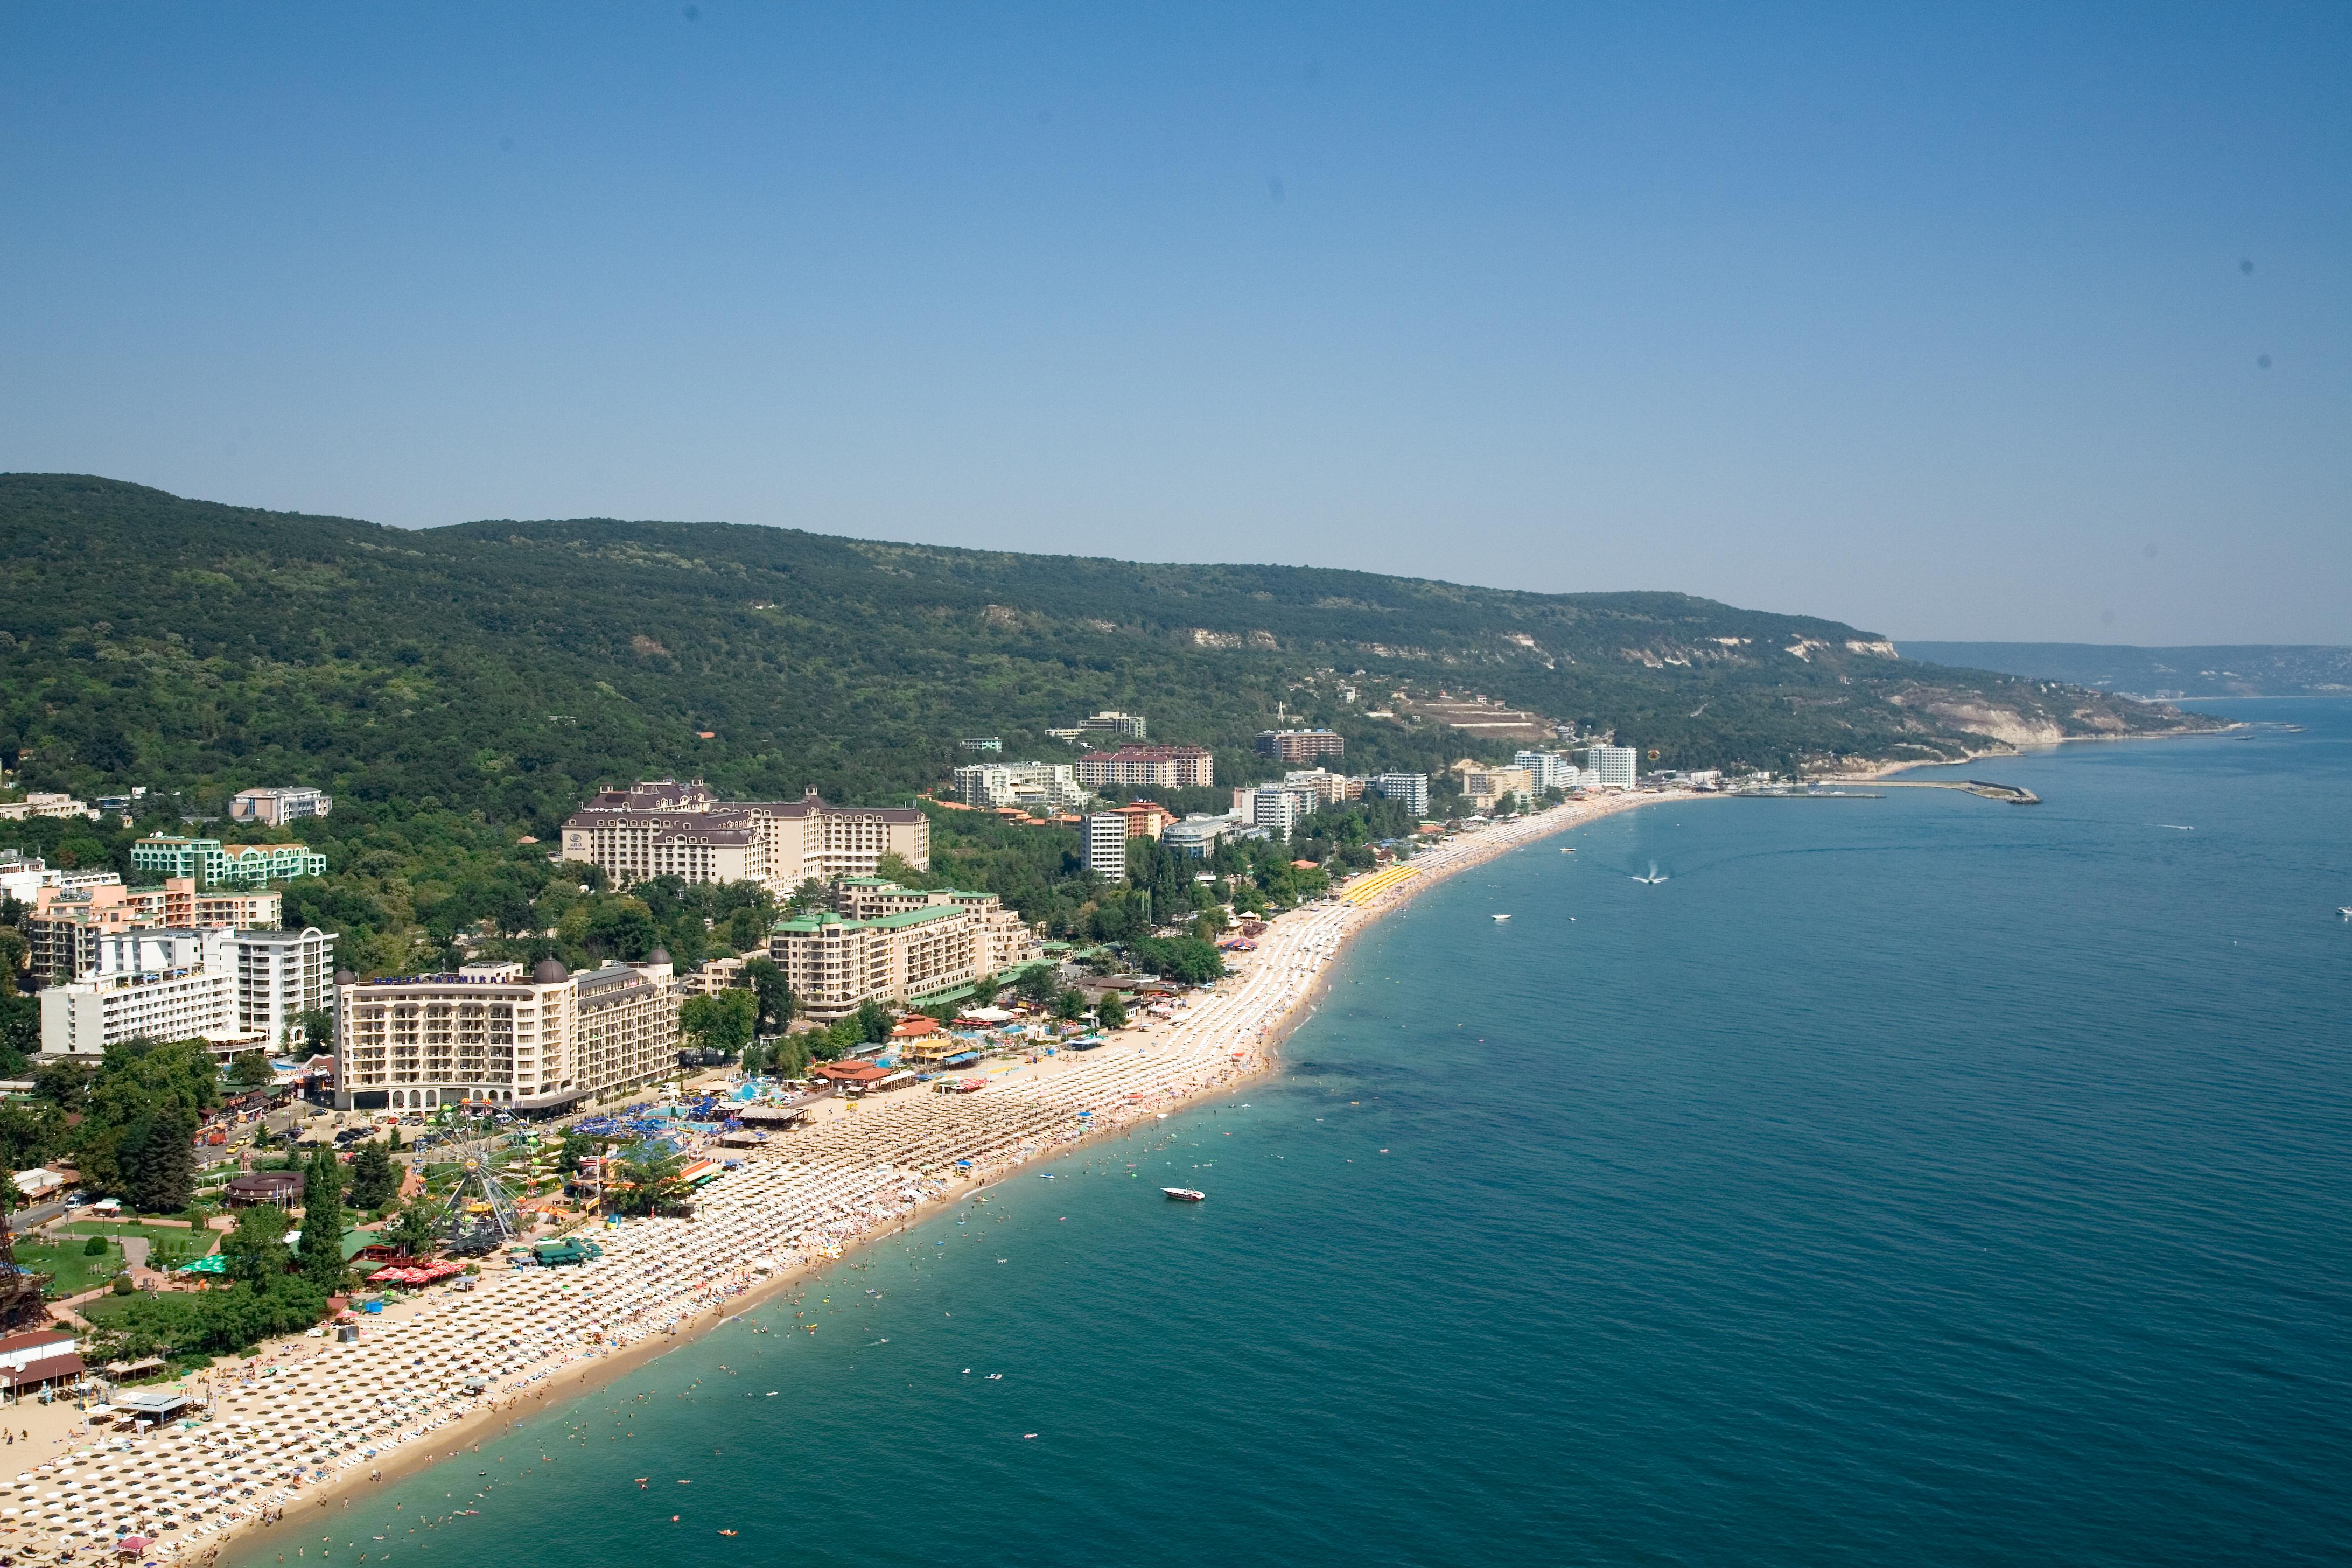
(720, 1021)
(1111, 1012)
(577, 1146)
(94, 1248)
(1184, 958)
(412, 1231)
(622, 927)
(874, 1022)
(1035, 986)
(1070, 1005)
(137, 1080)
(15, 954)
(255, 1251)
(251, 1070)
(774, 995)
(375, 1181)
(61, 1084)
(788, 1056)
(31, 1134)
(812, 894)
(322, 1222)
(317, 1025)
(20, 1033)
(159, 1160)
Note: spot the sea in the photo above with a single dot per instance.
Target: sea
(1915, 1179)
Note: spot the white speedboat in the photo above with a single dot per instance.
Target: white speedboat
(1502, 917)
(1185, 1195)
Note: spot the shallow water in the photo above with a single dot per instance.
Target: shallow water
(1919, 1180)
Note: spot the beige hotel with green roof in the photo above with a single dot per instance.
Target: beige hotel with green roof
(891, 943)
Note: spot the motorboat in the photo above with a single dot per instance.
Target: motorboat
(1185, 1195)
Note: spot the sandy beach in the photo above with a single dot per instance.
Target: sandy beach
(299, 1426)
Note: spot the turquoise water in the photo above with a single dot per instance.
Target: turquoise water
(1921, 1179)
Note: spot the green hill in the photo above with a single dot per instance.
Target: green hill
(506, 667)
(458, 687)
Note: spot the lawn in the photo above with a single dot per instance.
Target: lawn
(72, 1269)
(125, 1227)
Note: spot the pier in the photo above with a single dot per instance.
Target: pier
(2015, 794)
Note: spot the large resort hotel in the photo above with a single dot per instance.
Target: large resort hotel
(664, 828)
(898, 943)
(492, 1035)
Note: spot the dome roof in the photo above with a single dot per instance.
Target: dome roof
(659, 956)
(548, 972)
(345, 977)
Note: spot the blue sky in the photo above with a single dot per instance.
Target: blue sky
(1938, 321)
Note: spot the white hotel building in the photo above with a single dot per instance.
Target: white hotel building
(234, 990)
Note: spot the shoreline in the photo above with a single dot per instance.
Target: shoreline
(1883, 769)
(1217, 1046)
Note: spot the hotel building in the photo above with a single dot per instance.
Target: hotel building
(212, 863)
(492, 1034)
(234, 990)
(664, 828)
(1408, 790)
(1147, 767)
(1300, 745)
(834, 961)
(1611, 767)
(278, 807)
(1102, 846)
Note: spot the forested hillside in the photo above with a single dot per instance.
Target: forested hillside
(460, 689)
(506, 668)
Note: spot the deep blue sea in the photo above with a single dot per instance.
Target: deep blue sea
(1918, 1181)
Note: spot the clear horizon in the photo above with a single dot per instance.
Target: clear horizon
(2005, 326)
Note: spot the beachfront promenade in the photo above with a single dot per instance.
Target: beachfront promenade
(444, 1369)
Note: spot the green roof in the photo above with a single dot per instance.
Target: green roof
(915, 916)
(807, 925)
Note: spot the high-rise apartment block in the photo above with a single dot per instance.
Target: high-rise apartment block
(1274, 808)
(234, 990)
(492, 1034)
(1550, 770)
(664, 828)
(281, 974)
(1611, 767)
(1300, 745)
(1408, 790)
(1102, 846)
(1147, 767)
